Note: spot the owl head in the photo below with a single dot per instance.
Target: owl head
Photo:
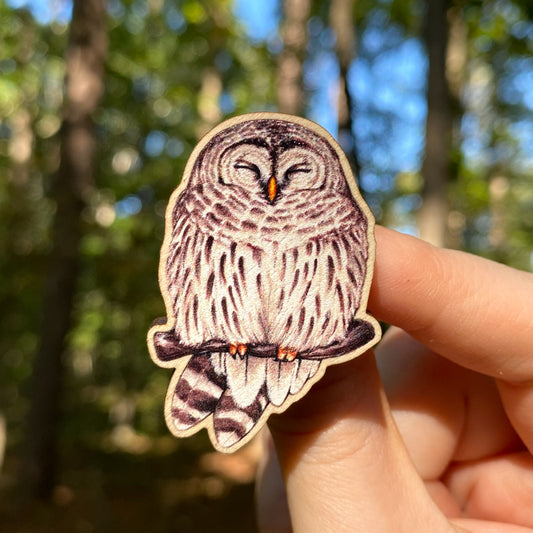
(271, 157)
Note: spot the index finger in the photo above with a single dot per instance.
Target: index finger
(471, 310)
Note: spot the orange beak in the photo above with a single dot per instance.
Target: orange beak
(272, 188)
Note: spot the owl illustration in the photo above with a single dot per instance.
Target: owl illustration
(265, 271)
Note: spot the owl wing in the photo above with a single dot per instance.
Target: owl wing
(320, 286)
(214, 282)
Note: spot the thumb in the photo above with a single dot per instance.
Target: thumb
(344, 464)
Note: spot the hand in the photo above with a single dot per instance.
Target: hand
(448, 447)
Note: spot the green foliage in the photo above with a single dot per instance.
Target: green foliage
(29, 113)
(496, 115)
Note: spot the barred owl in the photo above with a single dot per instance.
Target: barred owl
(265, 274)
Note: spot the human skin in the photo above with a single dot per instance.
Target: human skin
(440, 438)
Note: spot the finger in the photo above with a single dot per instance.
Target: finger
(517, 400)
(471, 310)
(422, 401)
(271, 498)
(498, 489)
(444, 499)
(458, 411)
(483, 526)
(459, 414)
(272, 509)
(344, 464)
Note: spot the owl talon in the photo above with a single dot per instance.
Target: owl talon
(286, 354)
(237, 348)
(291, 354)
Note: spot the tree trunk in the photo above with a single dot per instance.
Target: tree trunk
(456, 62)
(498, 191)
(84, 85)
(433, 214)
(341, 20)
(3, 438)
(208, 101)
(290, 62)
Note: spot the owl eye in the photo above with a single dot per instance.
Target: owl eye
(247, 166)
(298, 168)
(299, 176)
(244, 166)
(303, 170)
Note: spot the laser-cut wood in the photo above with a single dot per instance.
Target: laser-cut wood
(265, 271)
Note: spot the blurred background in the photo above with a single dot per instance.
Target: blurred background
(100, 106)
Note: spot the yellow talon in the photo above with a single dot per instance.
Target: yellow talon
(238, 348)
(287, 354)
(291, 354)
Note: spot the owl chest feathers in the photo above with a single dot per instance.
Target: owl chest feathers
(245, 271)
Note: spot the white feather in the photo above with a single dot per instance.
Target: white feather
(279, 375)
(305, 370)
(245, 378)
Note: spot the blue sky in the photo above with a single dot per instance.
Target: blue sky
(393, 83)
(260, 17)
(46, 11)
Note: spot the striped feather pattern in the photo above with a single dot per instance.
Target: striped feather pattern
(232, 422)
(270, 286)
(197, 393)
(236, 404)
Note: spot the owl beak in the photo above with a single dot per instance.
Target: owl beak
(272, 188)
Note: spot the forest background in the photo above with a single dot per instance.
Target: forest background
(100, 106)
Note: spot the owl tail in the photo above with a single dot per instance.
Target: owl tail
(232, 422)
(197, 393)
(202, 390)
(236, 391)
(253, 383)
